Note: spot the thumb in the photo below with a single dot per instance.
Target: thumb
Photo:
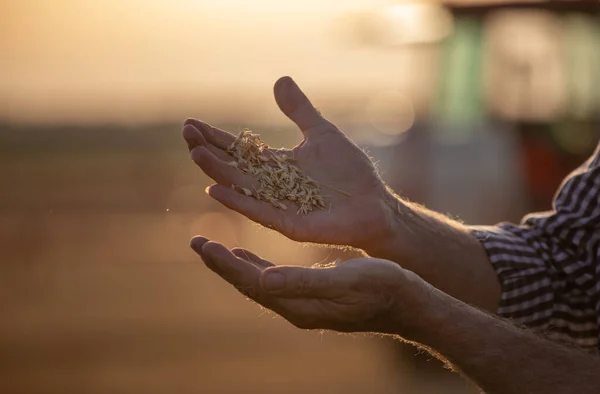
(295, 105)
(288, 281)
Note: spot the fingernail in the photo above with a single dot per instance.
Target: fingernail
(273, 281)
(191, 127)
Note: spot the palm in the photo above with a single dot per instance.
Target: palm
(358, 300)
(350, 186)
(353, 192)
(357, 295)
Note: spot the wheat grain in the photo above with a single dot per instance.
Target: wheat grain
(278, 179)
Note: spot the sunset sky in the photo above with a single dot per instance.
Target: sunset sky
(111, 60)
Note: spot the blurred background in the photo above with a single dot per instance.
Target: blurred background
(474, 108)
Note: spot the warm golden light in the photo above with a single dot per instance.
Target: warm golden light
(391, 112)
(134, 60)
(260, 6)
(415, 23)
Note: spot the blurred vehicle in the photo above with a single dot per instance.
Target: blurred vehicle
(513, 97)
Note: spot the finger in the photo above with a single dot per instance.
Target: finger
(195, 138)
(296, 106)
(197, 242)
(258, 211)
(244, 276)
(219, 170)
(251, 257)
(219, 153)
(301, 282)
(220, 138)
(238, 272)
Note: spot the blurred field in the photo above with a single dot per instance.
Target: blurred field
(100, 293)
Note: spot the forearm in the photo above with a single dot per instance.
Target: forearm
(498, 356)
(441, 251)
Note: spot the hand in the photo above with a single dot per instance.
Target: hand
(358, 295)
(360, 207)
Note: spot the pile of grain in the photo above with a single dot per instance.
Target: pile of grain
(278, 179)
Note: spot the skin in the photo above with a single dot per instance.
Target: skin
(354, 296)
(374, 295)
(427, 280)
(366, 216)
(326, 155)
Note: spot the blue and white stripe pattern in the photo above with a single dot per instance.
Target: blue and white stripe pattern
(549, 265)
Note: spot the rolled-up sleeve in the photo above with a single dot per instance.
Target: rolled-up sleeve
(548, 266)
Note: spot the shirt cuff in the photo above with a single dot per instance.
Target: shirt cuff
(515, 254)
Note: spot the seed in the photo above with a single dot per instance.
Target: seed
(278, 179)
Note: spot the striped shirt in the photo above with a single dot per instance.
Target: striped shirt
(549, 265)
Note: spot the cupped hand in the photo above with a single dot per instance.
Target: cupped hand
(358, 205)
(360, 295)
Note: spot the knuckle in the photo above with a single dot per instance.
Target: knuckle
(240, 253)
(329, 126)
(326, 282)
(197, 155)
(237, 251)
(202, 157)
(302, 284)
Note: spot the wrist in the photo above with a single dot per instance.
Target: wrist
(412, 312)
(422, 315)
(393, 230)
